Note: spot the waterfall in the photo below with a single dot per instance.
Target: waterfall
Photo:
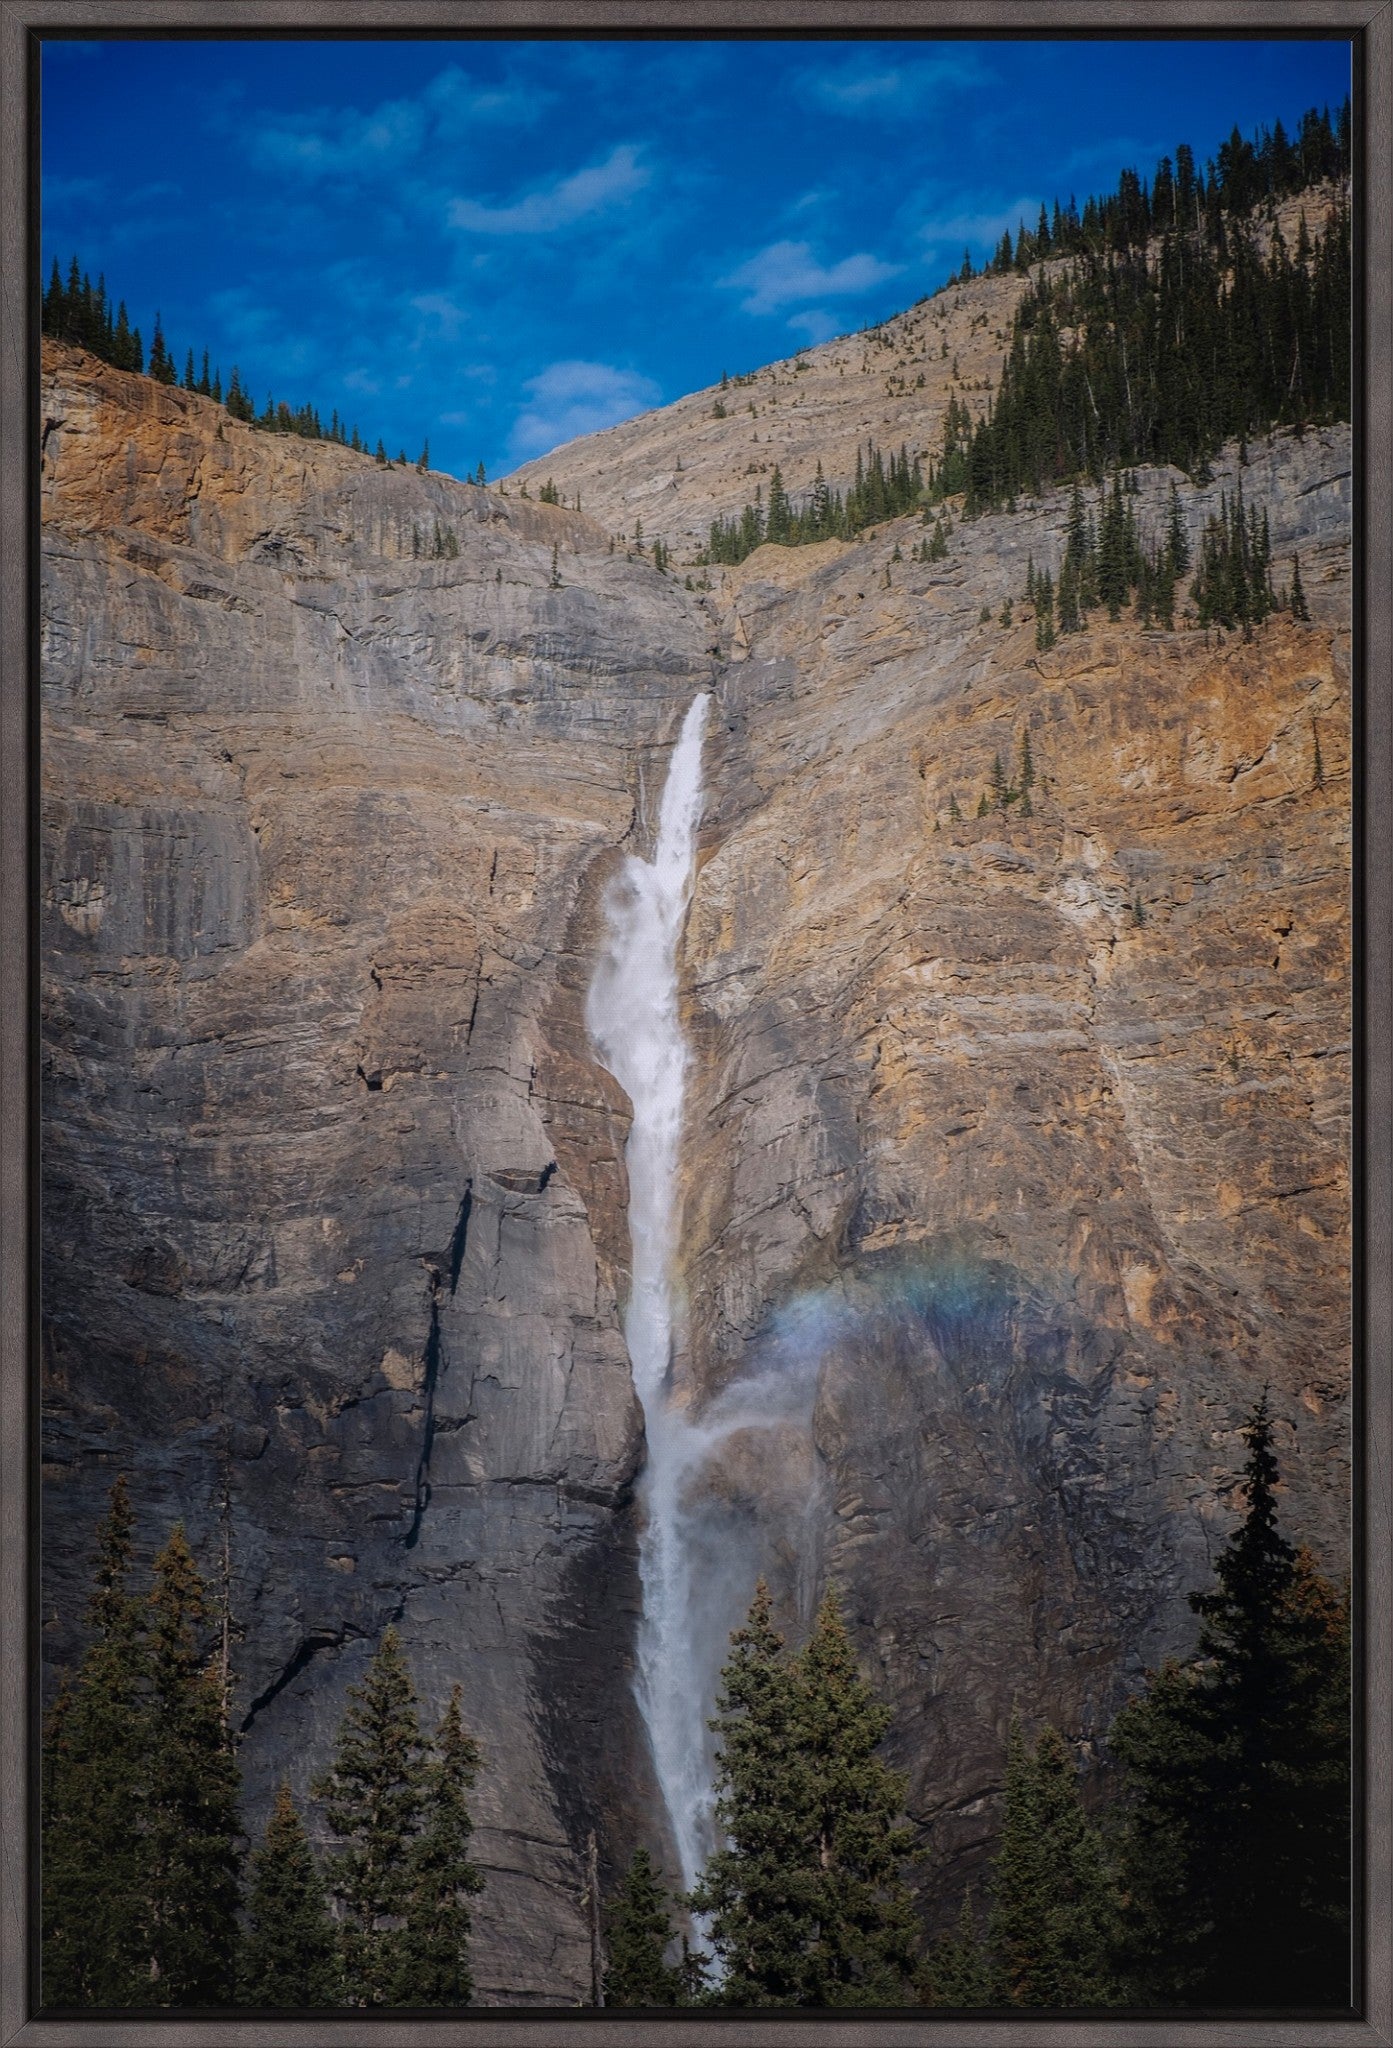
(632, 1014)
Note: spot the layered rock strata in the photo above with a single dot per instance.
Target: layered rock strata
(1020, 1140)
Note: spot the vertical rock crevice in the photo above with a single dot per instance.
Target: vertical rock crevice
(432, 1361)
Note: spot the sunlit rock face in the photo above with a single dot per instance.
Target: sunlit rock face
(1015, 1147)
(1041, 1119)
(334, 1183)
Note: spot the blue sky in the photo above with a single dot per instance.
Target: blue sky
(502, 244)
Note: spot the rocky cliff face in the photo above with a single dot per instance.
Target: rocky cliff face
(1029, 1134)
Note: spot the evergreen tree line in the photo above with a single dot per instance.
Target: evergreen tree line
(148, 1896)
(1245, 175)
(1136, 354)
(77, 311)
(1107, 562)
(1216, 1874)
(1138, 358)
(881, 489)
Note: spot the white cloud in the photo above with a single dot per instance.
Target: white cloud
(786, 272)
(817, 323)
(453, 96)
(983, 229)
(61, 193)
(346, 143)
(865, 90)
(560, 204)
(573, 398)
(441, 311)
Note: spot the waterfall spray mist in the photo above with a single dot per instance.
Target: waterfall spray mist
(634, 1021)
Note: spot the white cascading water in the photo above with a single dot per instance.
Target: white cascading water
(633, 1018)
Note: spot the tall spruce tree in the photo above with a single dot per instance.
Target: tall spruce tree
(639, 1933)
(290, 1952)
(865, 1949)
(1051, 1929)
(751, 1888)
(95, 1782)
(142, 1850)
(373, 1797)
(960, 1970)
(805, 1900)
(433, 1950)
(192, 1825)
(1236, 1858)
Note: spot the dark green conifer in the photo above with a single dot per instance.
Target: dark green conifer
(1299, 608)
(1051, 1926)
(290, 1952)
(1236, 1856)
(1044, 612)
(159, 364)
(433, 1947)
(1177, 541)
(193, 1832)
(373, 1799)
(960, 1971)
(95, 1780)
(777, 517)
(805, 1898)
(639, 1933)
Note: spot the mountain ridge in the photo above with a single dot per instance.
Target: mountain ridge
(1031, 1129)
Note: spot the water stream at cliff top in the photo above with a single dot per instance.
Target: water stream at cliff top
(632, 1013)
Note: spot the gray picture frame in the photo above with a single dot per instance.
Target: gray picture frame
(22, 23)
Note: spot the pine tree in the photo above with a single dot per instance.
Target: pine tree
(777, 518)
(750, 1887)
(1177, 541)
(1299, 608)
(373, 1798)
(864, 1952)
(193, 1831)
(1051, 1926)
(805, 1898)
(433, 1948)
(142, 1840)
(1025, 775)
(1044, 613)
(1236, 1855)
(290, 1954)
(95, 1782)
(639, 1933)
(960, 1971)
(161, 362)
(1070, 617)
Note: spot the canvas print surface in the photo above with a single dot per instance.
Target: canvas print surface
(696, 950)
